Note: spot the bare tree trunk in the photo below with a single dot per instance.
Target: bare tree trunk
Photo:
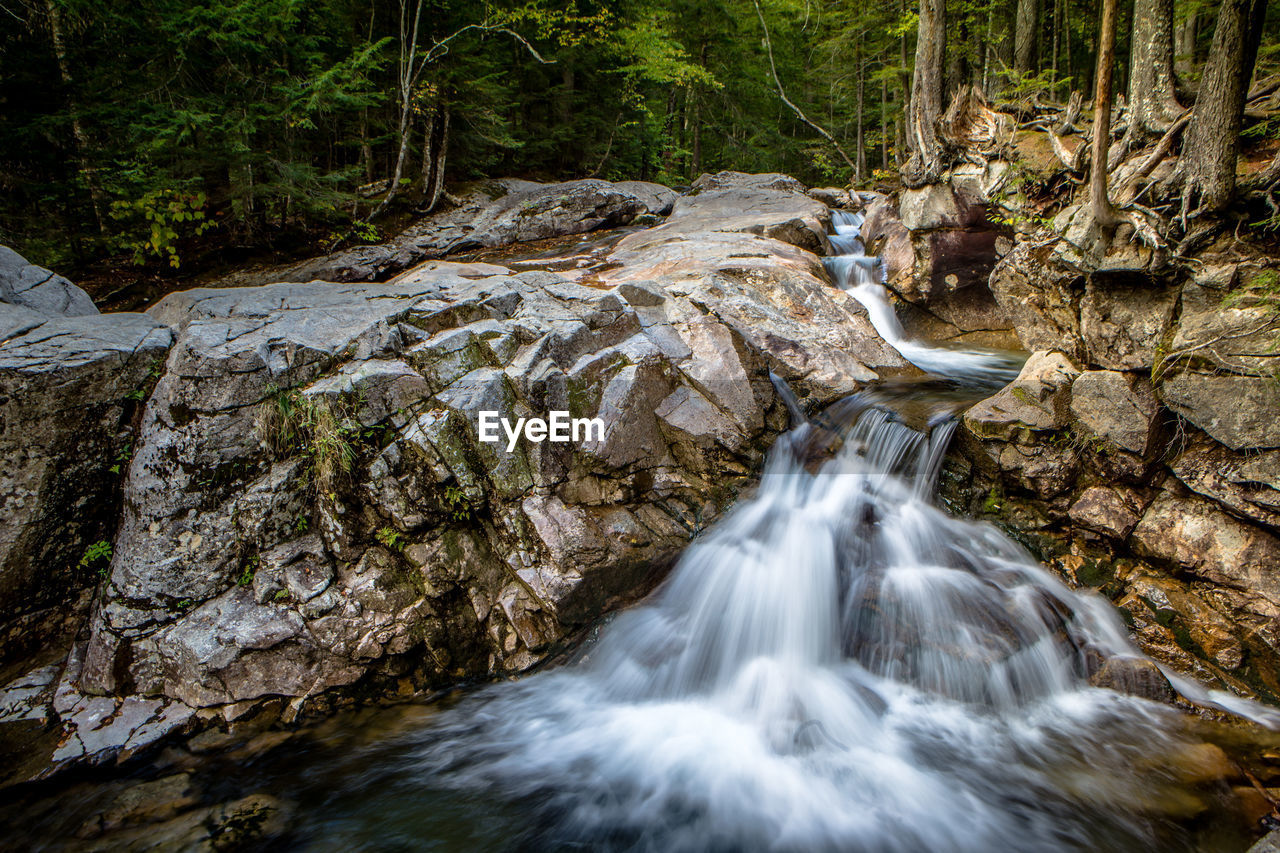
(77, 129)
(1208, 162)
(860, 166)
(1152, 103)
(884, 124)
(1026, 33)
(1185, 43)
(1057, 29)
(441, 149)
(926, 163)
(1103, 213)
(366, 149)
(428, 150)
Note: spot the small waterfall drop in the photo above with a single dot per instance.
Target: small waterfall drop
(863, 276)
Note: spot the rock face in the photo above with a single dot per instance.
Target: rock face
(33, 287)
(69, 389)
(495, 213)
(939, 246)
(312, 502)
(1162, 486)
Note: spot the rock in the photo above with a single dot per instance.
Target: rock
(1269, 843)
(37, 289)
(836, 197)
(1039, 399)
(1246, 484)
(887, 238)
(1230, 331)
(1238, 411)
(311, 502)
(1111, 511)
(1135, 676)
(1041, 296)
(1174, 603)
(1006, 433)
(938, 205)
(1195, 534)
(1123, 319)
(68, 389)
(773, 206)
(496, 213)
(1119, 408)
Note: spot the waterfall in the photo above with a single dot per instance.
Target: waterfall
(836, 665)
(863, 276)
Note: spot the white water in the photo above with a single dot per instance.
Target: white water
(837, 665)
(863, 277)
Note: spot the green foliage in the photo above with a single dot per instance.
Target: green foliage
(391, 538)
(250, 569)
(155, 223)
(98, 552)
(290, 423)
(456, 504)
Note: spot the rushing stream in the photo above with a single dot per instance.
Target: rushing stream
(836, 665)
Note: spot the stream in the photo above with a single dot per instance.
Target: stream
(836, 665)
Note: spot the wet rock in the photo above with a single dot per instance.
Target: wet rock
(1207, 627)
(836, 197)
(1238, 411)
(1112, 511)
(1134, 676)
(887, 238)
(1119, 408)
(1269, 843)
(37, 289)
(147, 802)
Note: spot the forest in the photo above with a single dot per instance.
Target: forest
(165, 133)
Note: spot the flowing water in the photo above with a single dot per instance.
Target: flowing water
(837, 665)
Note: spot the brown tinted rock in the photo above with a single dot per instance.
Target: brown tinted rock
(1234, 330)
(1134, 676)
(1196, 534)
(1112, 511)
(1039, 399)
(1209, 628)
(1119, 408)
(1246, 484)
(1123, 320)
(1041, 296)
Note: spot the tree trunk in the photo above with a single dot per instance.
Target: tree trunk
(884, 124)
(860, 165)
(926, 163)
(1208, 162)
(1103, 213)
(1152, 104)
(441, 149)
(1026, 33)
(77, 129)
(1185, 43)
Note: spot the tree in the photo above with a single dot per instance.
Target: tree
(926, 163)
(1100, 203)
(1152, 102)
(1207, 167)
(1026, 35)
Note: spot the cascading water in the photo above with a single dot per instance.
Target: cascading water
(863, 277)
(836, 665)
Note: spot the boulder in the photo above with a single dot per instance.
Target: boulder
(1110, 510)
(1231, 331)
(1119, 408)
(1041, 296)
(1038, 400)
(773, 206)
(1135, 676)
(935, 206)
(836, 198)
(1246, 484)
(69, 389)
(494, 213)
(1194, 533)
(1238, 411)
(1123, 320)
(33, 287)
